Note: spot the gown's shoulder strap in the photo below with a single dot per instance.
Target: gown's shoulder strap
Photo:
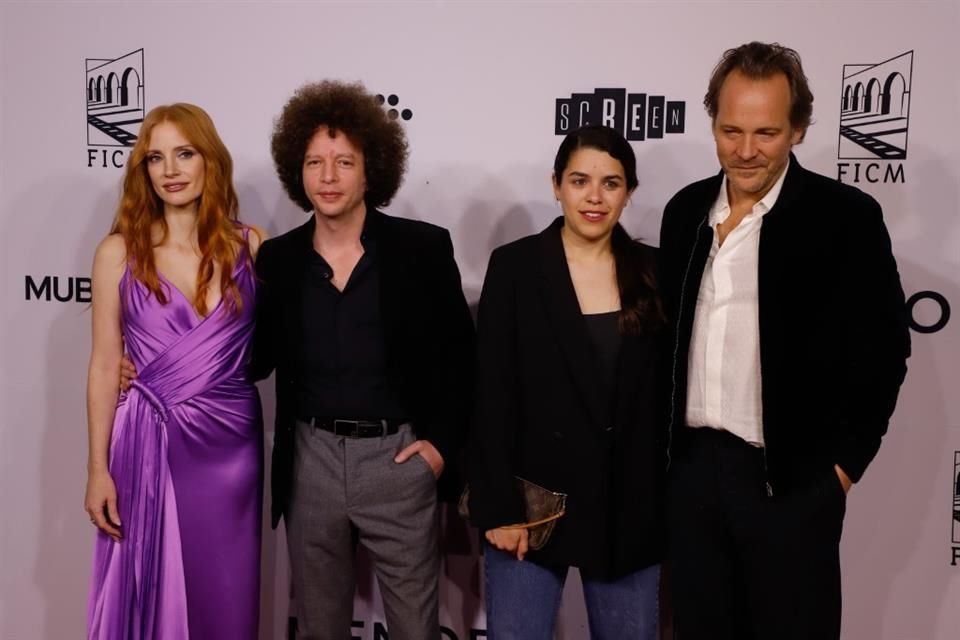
(244, 256)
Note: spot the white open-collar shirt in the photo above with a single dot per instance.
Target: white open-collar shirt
(723, 382)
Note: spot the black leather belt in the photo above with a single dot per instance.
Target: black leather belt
(354, 428)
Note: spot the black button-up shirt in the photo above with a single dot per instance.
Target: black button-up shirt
(343, 360)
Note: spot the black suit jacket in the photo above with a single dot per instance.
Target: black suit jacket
(541, 414)
(428, 334)
(833, 323)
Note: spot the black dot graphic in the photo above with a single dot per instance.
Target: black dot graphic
(406, 114)
(393, 100)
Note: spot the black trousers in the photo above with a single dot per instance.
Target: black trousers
(748, 566)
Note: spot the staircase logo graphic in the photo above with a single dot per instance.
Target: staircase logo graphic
(956, 498)
(875, 109)
(115, 107)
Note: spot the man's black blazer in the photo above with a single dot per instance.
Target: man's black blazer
(428, 333)
(541, 413)
(833, 325)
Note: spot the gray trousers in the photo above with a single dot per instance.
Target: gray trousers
(341, 484)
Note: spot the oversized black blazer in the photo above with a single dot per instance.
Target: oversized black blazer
(542, 414)
(428, 334)
(833, 323)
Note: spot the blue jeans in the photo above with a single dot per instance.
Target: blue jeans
(523, 599)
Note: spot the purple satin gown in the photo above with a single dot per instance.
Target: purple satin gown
(186, 455)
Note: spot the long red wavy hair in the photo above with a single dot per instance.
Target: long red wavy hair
(141, 208)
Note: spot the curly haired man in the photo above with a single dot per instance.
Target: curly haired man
(363, 319)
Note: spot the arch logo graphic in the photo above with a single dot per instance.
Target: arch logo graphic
(115, 106)
(874, 120)
(875, 109)
(955, 521)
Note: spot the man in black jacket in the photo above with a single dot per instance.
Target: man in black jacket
(789, 349)
(363, 318)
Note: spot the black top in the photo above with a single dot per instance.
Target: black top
(427, 333)
(604, 335)
(344, 372)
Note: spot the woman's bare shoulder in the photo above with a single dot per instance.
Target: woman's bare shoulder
(255, 238)
(112, 250)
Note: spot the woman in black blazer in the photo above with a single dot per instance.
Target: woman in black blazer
(569, 328)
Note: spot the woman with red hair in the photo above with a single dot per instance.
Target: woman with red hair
(175, 463)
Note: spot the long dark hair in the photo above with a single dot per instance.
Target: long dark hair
(641, 311)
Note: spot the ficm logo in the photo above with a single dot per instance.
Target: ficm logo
(637, 116)
(955, 521)
(875, 120)
(115, 107)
